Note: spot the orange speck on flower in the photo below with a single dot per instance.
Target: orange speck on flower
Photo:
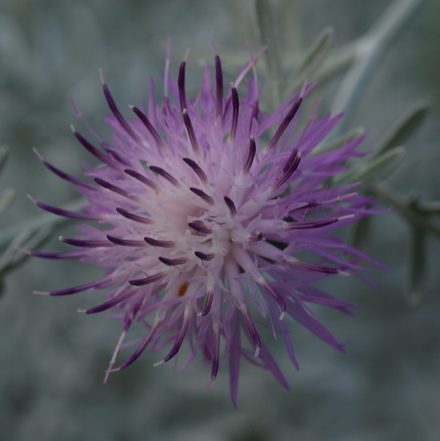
(182, 289)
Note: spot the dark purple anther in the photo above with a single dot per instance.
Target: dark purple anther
(208, 304)
(64, 175)
(113, 302)
(231, 205)
(319, 268)
(97, 284)
(285, 123)
(215, 356)
(146, 122)
(190, 130)
(134, 217)
(115, 155)
(181, 84)
(159, 243)
(86, 243)
(278, 297)
(68, 213)
(173, 262)
(164, 174)
(141, 178)
(219, 86)
(126, 242)
(200, 227)
(111, 103)
(45, 255)
(315, 224)
(146, 280)
(200, 193)
(94, 151)
(115, 189)
(291, 165)
(253, 333)
(179, 340)
(199, 172)
(235, 107)
(251, 156)
(256, 237)
(203, 256)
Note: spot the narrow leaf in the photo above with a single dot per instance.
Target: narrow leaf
(378, 168)
(6, 199)
(402, 129)
(3, 155)
(313, 59)
(359, 233)
(326, 146)
(268, 30)
(417, 265)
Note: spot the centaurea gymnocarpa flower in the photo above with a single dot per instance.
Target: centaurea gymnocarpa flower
(204, 215)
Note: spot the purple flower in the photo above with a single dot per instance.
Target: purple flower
(203, 207)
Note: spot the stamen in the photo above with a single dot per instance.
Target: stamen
(277, 296)
(253, 332)
(126, 242)
(64, 175)
(159, 243)
(141, 178)
(179, 340)
(219, 86)
(111, 103)
(190, 130)
(49, 255)
(181, 84)
(203, 256)
(316, 224)
(115, 189)
(289, 169)
(200, 193)
(251, 157)
(255, 237)
(199, 172)
(173, 262)
(216, 355)
(94, 151)
(314, 267)
(111, 152)
(139, 350)
(235, 107)
(133, 217)
(293, 160)
(146, 280)
(286, 121)
(67, 213)
(230, 205)
(146, 122)
(161, 172)
(208, 304)
(109, 304)
(97, 284)
(86, 243)
(200, 227)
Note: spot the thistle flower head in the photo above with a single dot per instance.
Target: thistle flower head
(204, 204)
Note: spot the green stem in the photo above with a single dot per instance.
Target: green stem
(391, 197)
(368, 52)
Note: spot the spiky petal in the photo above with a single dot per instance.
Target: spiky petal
(204, 215)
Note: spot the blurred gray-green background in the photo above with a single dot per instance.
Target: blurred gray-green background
(52, 360)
